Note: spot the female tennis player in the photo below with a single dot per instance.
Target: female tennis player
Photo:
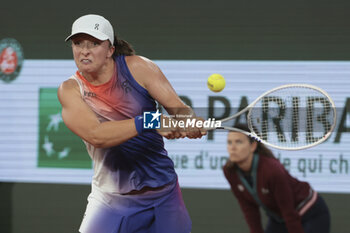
(257, 179)
(134, 187)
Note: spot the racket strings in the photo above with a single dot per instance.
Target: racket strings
(292, 117)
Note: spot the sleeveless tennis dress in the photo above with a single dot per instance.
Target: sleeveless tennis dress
(137, 163)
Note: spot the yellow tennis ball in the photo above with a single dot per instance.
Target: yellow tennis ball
(216, 82)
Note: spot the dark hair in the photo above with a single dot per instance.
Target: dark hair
(261, 149)
(122, 47)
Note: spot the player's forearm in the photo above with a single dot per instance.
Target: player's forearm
(111, 133)
(181, 112)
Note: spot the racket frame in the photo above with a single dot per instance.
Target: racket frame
(257, 138)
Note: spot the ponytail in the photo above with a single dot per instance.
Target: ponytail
(261, 149)
(122, 47)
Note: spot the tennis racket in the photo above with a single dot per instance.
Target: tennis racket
(289, 117)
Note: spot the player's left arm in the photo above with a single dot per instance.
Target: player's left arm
(149, 76)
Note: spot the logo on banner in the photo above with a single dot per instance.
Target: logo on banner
(58, 146)
(151, 120)
(11, 59)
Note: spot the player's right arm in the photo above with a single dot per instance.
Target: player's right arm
(80, 119)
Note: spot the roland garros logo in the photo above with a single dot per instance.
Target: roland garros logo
(11, 59)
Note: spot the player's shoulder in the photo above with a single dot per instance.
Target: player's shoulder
(68, 87)
(139, 62)
(137, 59)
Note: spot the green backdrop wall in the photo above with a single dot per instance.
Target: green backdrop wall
(199, 30)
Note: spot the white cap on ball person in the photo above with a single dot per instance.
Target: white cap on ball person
(93, 25)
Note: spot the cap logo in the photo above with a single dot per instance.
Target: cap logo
(96, 26)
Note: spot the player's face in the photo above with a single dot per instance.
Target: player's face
(239, 147)
(90, 54)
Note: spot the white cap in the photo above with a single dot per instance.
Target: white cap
(93, 25)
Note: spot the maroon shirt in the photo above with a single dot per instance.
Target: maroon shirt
(277, 190)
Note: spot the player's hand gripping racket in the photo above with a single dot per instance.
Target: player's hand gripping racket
(289, 117)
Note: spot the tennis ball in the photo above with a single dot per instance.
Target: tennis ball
(216, 82)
